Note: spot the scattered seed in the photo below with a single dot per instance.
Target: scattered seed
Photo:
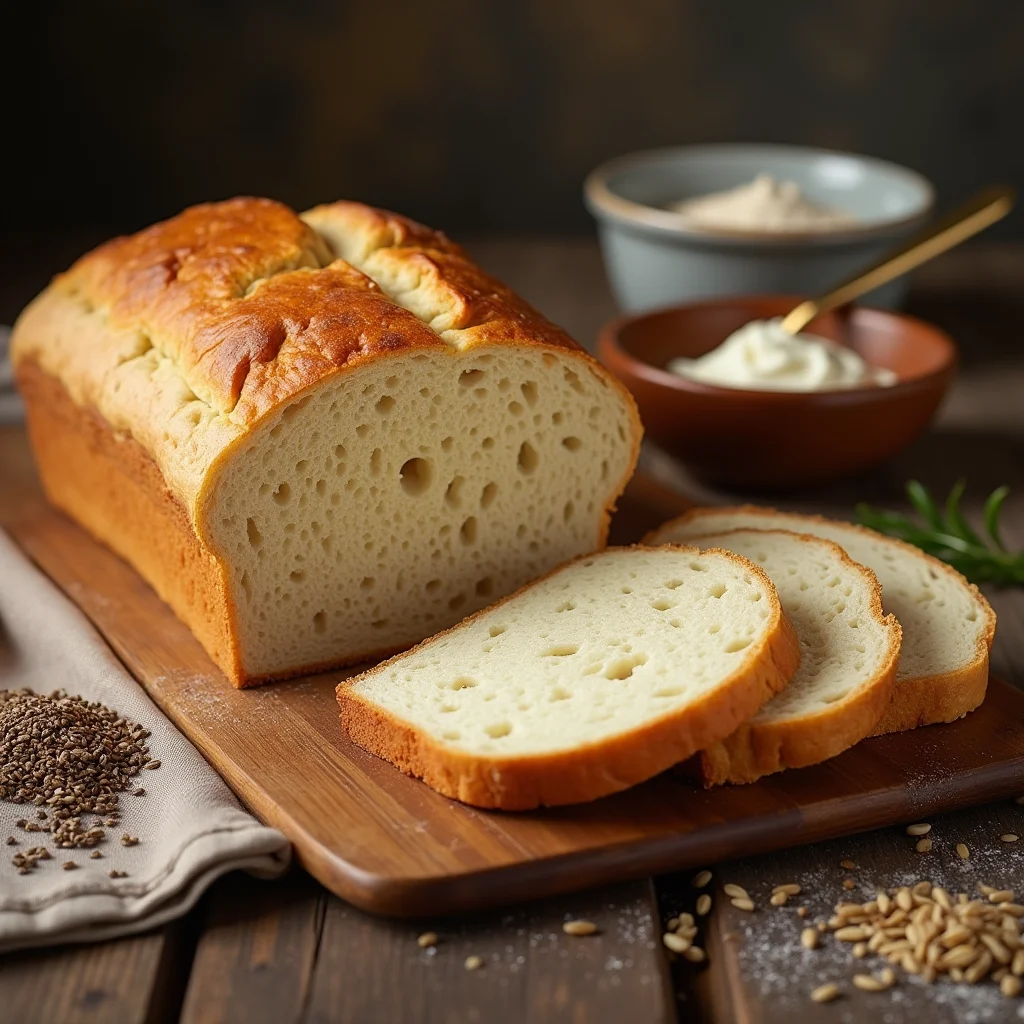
(114, 873)
(676, 943)
(1010, 837)
(695, 955)
(11, 841)
(1010, 985)
(579, 928)
(127, 840)
(736, 891)
(849, 865)
(741, 903)
(703, 904)
(826, 993)
(923, 845)
(69, 865)
(801, 911)
(778, 899)
(809, 938)
(1001, 896)
(151, 765)
(473, 963)
(95, 855)
(701, 879)
(920, 829)
(138, 791)
(869, 983)
(426, 940)
(962, 852)
(860, 950)
(848, 884)
(789, 888)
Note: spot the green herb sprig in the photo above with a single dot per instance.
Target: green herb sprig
(946, 534)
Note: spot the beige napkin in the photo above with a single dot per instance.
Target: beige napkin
(190, 827)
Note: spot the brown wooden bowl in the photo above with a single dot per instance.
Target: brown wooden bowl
(771, 438)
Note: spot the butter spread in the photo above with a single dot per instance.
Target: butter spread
(763, 204)
(761, 356)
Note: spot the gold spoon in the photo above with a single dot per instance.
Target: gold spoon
(988, 206)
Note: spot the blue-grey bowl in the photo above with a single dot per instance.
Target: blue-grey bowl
(655, 258)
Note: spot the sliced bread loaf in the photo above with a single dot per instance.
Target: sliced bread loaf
(848, 656)
(948, 626)
(596, 677)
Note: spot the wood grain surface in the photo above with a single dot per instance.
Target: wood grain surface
(389, 844)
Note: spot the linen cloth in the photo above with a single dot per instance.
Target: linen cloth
(190, 827)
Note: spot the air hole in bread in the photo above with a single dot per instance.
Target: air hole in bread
(674, 584)
(367, 583)
(484, 587)
(568, 511)
(296, 575)
(487, 444)
(668, 691)
(415, 475)
(255, 537)
(528, 458)
(446, 444)
(698, 567)
(283, 494)
(497, 630)
(457, 602)
(622, 668)
(432, 586)
(529, 390)
(739, 644)
(717, 589)
(488, 494)
(320, 622)
(561, 650)
(376, 461)
(468, 378)
(662, 604)
(566, 606)
(467, 532)
(516, 408)
(464, 683)
(574, 444)
(560, 693)
(716, 628)
(453, 492)
(384, 404)
(498, 729)
(452, 734)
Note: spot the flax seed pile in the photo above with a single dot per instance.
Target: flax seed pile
(70, 758)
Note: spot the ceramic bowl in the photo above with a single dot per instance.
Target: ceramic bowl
(778, 439)
(654, 258)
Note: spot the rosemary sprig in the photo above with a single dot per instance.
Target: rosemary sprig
(946, 534)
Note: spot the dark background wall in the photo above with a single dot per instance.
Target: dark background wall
(480, 116)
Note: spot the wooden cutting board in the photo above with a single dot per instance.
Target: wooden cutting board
(390, 845)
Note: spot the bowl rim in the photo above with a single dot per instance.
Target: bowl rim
(604, 203)
(610, 332)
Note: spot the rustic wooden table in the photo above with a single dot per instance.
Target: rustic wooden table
(288, 951)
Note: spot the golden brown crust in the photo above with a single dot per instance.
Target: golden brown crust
(915, 701)
(758, 747)
(584, 773)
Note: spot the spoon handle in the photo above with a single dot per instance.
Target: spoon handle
(985, 208)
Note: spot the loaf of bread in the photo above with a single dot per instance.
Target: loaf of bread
(948, 626)
(592, 679)
(320, 438)
(848, 656)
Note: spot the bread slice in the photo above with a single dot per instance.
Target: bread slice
(848, 656)
(602, 674)
(948, 626)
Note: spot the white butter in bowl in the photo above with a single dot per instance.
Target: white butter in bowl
(761, 356)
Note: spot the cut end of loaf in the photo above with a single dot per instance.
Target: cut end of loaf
(387, 505)
(602, 674)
